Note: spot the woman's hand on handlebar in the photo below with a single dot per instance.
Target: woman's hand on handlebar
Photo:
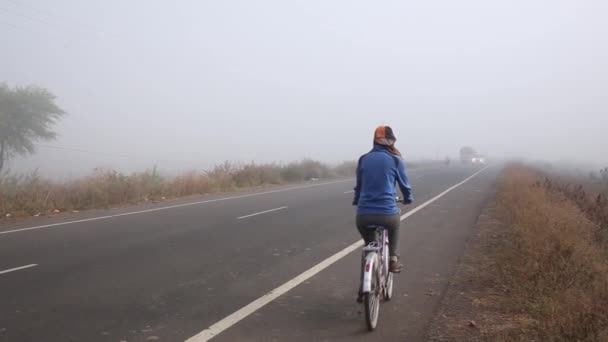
(402, 200)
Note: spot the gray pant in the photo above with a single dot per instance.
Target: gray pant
(390, 222)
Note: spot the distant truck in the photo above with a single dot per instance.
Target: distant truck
(467, 153)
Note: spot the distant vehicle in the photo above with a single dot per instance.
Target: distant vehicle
(467, 154)
(478, 159)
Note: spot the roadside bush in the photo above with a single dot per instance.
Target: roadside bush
(551, 264)
(22, 195)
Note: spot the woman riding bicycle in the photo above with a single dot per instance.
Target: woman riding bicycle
(378, 173)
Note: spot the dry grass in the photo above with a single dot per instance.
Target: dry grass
(589, 194)
(553, 265)
(24, 195)
(538, 270)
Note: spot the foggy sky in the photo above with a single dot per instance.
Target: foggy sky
(192, 83)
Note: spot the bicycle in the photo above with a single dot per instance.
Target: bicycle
(377, 280)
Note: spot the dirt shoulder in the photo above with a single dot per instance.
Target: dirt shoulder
(469, 310)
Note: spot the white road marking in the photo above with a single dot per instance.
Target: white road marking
(260, 213)
(349, 191)
(420, 207)
(169, 207)
(252, 307)
(18, 268)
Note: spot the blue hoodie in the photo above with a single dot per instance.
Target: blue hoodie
(378, 173)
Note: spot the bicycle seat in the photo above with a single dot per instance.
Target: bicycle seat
(374, 227)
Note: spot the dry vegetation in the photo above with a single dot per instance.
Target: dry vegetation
(22, 195)
(555, 263)
(537, 269)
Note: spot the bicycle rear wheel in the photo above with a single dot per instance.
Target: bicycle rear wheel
(372, 301)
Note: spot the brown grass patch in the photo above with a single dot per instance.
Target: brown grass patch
(535, 271)
(25, 195)
(554, 268)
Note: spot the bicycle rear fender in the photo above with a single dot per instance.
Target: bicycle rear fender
(368, 271)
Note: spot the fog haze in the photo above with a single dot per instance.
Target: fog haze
(189, 84)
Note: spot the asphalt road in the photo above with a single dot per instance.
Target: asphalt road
(167, 274)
